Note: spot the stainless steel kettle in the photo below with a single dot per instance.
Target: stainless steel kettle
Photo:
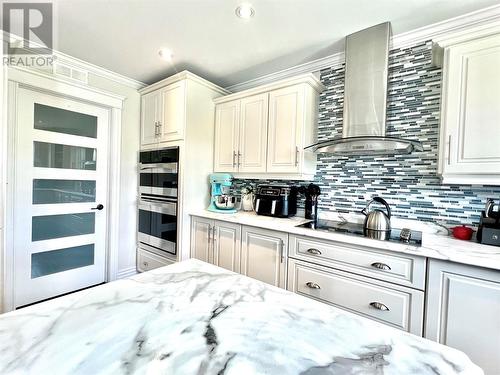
(377, 220)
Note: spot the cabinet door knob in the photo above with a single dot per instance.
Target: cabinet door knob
(145, 264)
(313, 285)
(314, 251)
(381, 266)
(379, 306)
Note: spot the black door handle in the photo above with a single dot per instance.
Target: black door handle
(98, 207)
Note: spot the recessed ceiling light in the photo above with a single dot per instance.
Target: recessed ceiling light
(166, 54)
(245, 11)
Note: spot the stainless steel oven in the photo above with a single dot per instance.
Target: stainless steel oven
(157, 208)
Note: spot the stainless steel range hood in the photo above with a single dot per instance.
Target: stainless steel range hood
(365, 99)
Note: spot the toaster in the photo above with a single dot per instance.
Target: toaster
(276, 200)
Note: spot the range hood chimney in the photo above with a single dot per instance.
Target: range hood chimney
(365, 99)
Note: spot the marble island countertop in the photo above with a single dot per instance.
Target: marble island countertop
(195, 318)
(436, 243)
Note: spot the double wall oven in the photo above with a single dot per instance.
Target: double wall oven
(158, 198)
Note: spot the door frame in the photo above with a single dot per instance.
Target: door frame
(39, 82)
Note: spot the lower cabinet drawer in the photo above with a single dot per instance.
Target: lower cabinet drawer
(403, 269)
(391, 304)
(147, 261)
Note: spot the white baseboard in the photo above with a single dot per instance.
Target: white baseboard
(126, 272)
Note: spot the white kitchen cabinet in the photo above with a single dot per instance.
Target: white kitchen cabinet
(227, 245)
(285, 146)
(150, 117)
(263, 255)
(201, 244)
(252, 149)
(241, 135)
(216, 242)
(175, 107)
(398, 268)
(147, 261)
(262, 132)
(470, 118)
(395, 305)
(227, 127)
(173, 112)
(463, 311)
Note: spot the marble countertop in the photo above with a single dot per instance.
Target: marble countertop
(436, 243)
(195, 318)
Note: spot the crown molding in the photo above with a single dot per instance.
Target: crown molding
(307, 78)
(468, 26)
(63, 58)
(185, 74)
(336, 59)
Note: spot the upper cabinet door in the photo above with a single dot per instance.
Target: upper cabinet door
(150, 104)
(470, 142)
(227, 122)
(251, 156)
(173, 112)
(286, 120)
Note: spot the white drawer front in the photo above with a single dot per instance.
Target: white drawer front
(397, 306)
(147, 261)
(384, 265)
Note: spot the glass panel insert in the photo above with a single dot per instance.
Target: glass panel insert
(52, 155)
(63, 191)
(54, 261)
(56, 226)
(63, 121)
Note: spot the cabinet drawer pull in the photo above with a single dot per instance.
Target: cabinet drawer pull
(314, 251)
(313, 285)
(379, 306)
(381, 266)
(145, 264)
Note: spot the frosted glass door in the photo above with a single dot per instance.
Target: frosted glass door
(60, 196)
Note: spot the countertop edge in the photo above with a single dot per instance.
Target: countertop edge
(434, 246)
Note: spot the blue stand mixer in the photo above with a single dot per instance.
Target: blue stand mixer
(220, 200)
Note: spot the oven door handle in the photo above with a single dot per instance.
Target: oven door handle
(159, 167)
(168, 208)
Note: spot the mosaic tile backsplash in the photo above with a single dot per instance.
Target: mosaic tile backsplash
(409, 183)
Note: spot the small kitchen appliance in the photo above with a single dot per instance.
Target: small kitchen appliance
(220, 200)
(311, 193)
(158, 201)
(489, 226)
(247, 198)
(377, 222)
(276, 200)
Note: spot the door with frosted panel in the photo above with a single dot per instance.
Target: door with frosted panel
(60, 208)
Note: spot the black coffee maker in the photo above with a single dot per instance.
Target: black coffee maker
(489, 227)
(311, 193)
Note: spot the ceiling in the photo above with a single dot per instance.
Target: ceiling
(207, 38)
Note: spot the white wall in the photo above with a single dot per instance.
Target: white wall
(128, 168)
